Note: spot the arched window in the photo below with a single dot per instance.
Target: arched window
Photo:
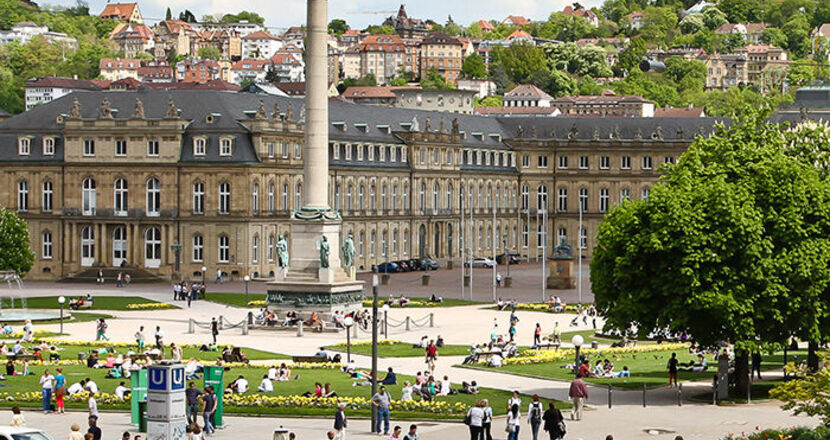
(422, 197)
(372, 240)
(625, 194)
(23, 196)
(384, 244)
(394, 196)
(360, 205)
(47, 193)
(383, 200)
(449, 196)
(542, 198)
(285, 197)
(644, 194)
(361, 243)
(583, 199)
(349, 192)
(198, 248)
(271, 242)
(255, 198)
(198, 198)
(435, 196)
(489, 200)
(405, 196)
(394, 242)
(480, 195)
(152, 247)
(298, 196)
(405, 242)
(372, 199)
(255, 249)
(89, 196)
(271, 201)
(120, 199)
(153, 196)
(87, 246)
(525, 197)
(224, 198)
(224, 249)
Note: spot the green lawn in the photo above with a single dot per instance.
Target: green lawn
(646, 368)
(238, 300)
(100, 303)
(422, 302)
(403, 349)
(234, 299)
(341, 383)
(71, 352)
(590, 335)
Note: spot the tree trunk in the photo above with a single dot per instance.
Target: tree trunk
(741, 373)
(812, 357)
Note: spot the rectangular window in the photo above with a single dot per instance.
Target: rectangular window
(383, 154)
(46, 206)
(563, 162)
(89, 147)
(198, 198)
(371, 153)
(646, 162)
(583, 163)
(668, 159)
(525, 161)
(224, 249)
(542, 161)
(225, 147)
(48, 146)
(403, 155)
(199, 147)
(360, 152)
(46, 245)
(625, 162)
(198, 248)
(335, 151)
(24, 146)
(298, 151)
(285, 150)
(271, 149)
(121, 147)
(153, 147)
(604, 163)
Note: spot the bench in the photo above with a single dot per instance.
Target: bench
(484, 354)
(22, 357)
(549, 344)
(309, 359)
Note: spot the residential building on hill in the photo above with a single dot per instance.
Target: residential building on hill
(106, 183)
(156, 71)
(526, 95)
(482, 87)
(636, 19)
(762, 65)
(580, 11)
(516, 21)
(382, 56)
(240, 28)
(486, 26)
(821, 33)
(260, 45)
(350, 38)
(351, 62)
(373, 95)
(750, 31)
(200, 71)
(607, 104)
(24, 31)
(133, 38)
(249, 70)
(405, 26)
(128, 12)
(40, 91)
(174, 35)
(287, 67)
(117, 68)
(442, 53)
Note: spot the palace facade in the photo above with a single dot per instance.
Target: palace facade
(173, 181)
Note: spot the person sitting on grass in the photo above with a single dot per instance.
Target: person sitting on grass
(318, 391)
(624, 373)
(122, 391)
(115, 372)
(468, 387)
(265, 386)
(285, 373)
(328, 391)
(696, 367)
(435, 299)
(390, 379)
(76, 387)
(406, 391)
(91, 386)
(237, 356)
(403, 300)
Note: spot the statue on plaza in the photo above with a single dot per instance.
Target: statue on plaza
(563, 251)
(348, 252)
(282, 252)
(323, 247)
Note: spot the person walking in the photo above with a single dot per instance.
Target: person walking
(218, 277)
(554, 422)
(431, 353)
(47, 384)
(100, 278)
(475, 420)
(340, 421)
(512, 332)
(381, 400)
(579, 393)
(208, 409)
(101, 331)
(159, 338)
(92, 404)
(189, 293)
(93, 428)
(756, 365)
(60, 390)
(534, 416)
(537, 335)
(214, 329)
(177, 291)
(487, 423)
(672, 366)
(514, 421)
(192, 397)
(139, 338)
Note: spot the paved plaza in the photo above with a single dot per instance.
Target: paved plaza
(458, 325)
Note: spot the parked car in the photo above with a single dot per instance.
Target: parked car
(514, 258)
(22, 433)
(414, 264)
(427, 263)
(388, 266)
(481, 262)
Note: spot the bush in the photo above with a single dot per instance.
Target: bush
(800, 433)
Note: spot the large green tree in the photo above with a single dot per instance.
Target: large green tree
(338, 27)
(209, 53)
(519, 61)
(732, 245)
(473, 67)
(15, 253)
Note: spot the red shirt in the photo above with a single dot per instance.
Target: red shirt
(432, 351)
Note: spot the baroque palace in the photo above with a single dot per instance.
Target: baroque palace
(174, 181)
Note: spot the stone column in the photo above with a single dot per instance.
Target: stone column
(316, 158)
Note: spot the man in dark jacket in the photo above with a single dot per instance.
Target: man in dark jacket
(554, 422)
(340, 421)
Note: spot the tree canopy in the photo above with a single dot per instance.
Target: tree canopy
(15, 253)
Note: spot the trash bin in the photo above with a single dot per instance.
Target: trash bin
(594, 344)
(281, 434)
(142, 416)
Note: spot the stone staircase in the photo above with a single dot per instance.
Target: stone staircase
(137, 275)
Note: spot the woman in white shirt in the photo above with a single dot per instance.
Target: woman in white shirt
(514, 421)
(265, 386)
(475, 417)
(488, 419)
(406, 391)
(445, 387)
(47, 383)
(515, 400)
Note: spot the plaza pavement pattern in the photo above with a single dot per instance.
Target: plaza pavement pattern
(458, 325)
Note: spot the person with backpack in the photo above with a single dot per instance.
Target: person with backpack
(475, 420)
(534, 416)
(554, 422)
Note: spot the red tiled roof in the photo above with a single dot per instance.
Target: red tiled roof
(175, 26)
(119, 63)
(599, 99)
(66, 83)
(485, 25)
(126, 83)
(685, 112)
(214, 84)
(285, 59)
(121, 11)
(291, 88)
(516, 20)
(251, 65)
(527, 91)
(581, 12)
(823, 30)
(259, 35)
(131, 30)
(439, 38)
(518, 33)
(372, 91)
(156, 71)
(382, 43)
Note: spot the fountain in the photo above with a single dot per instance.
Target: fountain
(11, 314)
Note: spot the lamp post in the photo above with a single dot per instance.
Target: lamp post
(61, 301)
(204, 270)
(348, 322)
(247, 279)
(374, 347)
(577, 341)
(385, 309)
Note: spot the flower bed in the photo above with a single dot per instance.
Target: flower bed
(367, 342)
(546, 356)
(257, 303)
(151, 306)
(19, 334)
(543, 307)
(801, 433)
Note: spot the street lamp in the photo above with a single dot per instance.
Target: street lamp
(204, 270)
(348, 322)
(385, 309)
(61, 301)
(577, 341)
(247, 279)
(374, 347)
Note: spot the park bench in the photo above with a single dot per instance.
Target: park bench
(309, 359)
(22, 357)
(549, 344)
(484, 354)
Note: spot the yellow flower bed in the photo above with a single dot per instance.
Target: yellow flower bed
(19, 334)
(368, 342)
(546, 356)
(35, 396)
(543, 307)
(294, 401)
(411, 303)
(150, 306)
(257, 303)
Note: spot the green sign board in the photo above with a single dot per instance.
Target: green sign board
(138, 393)
(213, 376)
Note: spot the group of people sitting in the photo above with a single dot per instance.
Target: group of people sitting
(506, 304)
(38, 351)
(321, 391)
(603, 368)
(556, 304)
(400, 301)
(234, 354)
(81, 302)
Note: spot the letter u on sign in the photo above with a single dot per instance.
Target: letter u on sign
(177, 378)
(157, 379)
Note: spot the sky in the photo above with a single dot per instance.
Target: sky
(358, 13)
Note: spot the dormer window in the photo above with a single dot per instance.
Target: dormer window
(348, 152)
(48, 146)
(360, 152)
(199, 146)
(335, 151)
(24, 146)
(371, 153)
(225, 146)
